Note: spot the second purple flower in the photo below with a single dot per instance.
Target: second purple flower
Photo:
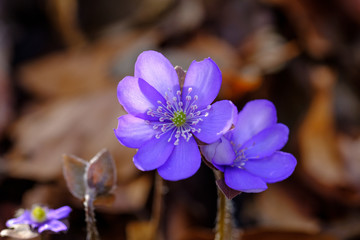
(249, 154)
(164, 118)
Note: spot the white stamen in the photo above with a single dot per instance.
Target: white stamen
(177, 116)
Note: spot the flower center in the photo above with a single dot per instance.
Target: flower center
(38, 214)
(179, 118)
(241, 157)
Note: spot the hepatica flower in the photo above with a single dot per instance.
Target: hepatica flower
(163, 118)
(41, 219)
(249, 154)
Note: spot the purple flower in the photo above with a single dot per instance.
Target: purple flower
(164, 118)
(41, 218)
(249, 154)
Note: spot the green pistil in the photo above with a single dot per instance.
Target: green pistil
(38, 214)
(179, 118)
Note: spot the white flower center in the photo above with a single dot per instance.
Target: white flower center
(178, 117)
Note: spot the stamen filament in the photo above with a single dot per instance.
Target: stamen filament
(176, 116)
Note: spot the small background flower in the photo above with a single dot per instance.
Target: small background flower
(164, 118)
(42, 219)
(249, 154)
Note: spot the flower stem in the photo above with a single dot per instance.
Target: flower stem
(92, 232)
(224, 219)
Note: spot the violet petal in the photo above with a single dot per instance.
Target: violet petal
(137, 96)
(274, 168)
(208, 151)
(157, 70)
(52, 225)
(24, 218)
(204, 78)
(253, 118)
(224, 153)
(133, 132)
(243, 181)
(184, 161)
(59, 213)
(266, 142)
(153, 153)
(218, 122)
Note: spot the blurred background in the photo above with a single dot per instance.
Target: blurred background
(61, 60)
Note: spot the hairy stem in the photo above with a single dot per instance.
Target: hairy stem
(91, 230)
(224, 219)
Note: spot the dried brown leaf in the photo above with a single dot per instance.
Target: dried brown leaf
(350, 151)
(64, 16)
(237, 82)
(105, 200)
(268, 50)
(75, 125)
(131, 196)
(320, 157)
(140, 231)
(51, 195)
(84, 70)
(101, 174)
(323, 166)
(74, 171)
(270, 234)
(98, 177)
(277, 209)
(307, 22)
(150, 10)
(186, 16)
